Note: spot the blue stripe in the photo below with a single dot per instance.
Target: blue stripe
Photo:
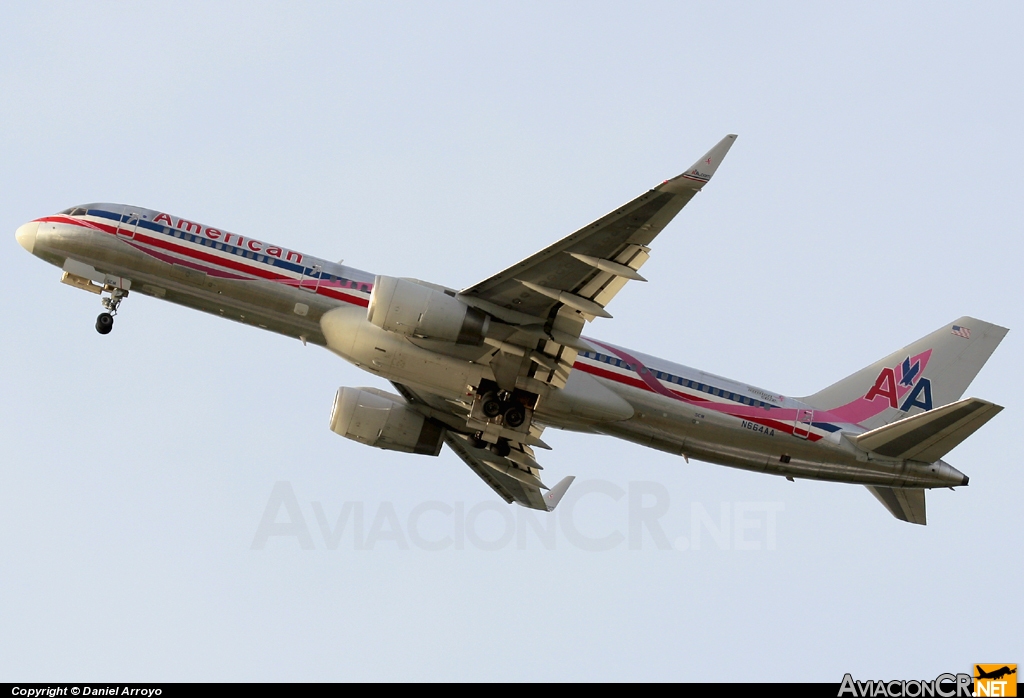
(229, 248)
(685, 382)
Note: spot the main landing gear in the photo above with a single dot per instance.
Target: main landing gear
(512, 412)
(105, 321)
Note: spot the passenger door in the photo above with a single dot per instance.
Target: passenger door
(310, 280)
(802, 424)
(127, 224)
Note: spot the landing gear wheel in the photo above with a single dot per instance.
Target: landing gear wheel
(104, 323)
(491, 405)
(501, 448)
(514, 416)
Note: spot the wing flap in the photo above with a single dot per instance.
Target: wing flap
(512, 483)
(929, 436)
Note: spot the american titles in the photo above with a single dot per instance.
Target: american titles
(228, 238)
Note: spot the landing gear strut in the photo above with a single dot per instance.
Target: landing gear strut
(105, 321)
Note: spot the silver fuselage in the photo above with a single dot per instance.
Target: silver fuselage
(673, 408)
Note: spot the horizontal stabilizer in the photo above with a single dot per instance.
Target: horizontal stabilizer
(906, 504)
(928, 436)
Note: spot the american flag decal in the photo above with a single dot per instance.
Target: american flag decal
(961, 332)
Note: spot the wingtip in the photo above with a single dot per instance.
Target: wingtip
(700, 172)
(554, 495)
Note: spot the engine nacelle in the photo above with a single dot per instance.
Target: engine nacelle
(376, 418)
(416, 310)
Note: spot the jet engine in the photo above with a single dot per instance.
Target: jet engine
(376, 418)
(417, 310)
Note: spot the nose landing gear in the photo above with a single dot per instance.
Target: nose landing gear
(88, 279)
(105, 321)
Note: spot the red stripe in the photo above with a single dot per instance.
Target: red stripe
(684, 397)
(619, 378)
(209, 258)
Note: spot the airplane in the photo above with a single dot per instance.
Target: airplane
(994, 674)
(488, 368)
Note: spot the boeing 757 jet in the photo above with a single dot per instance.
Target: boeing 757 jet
(487, 368)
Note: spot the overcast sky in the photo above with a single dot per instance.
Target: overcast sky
(873, 195)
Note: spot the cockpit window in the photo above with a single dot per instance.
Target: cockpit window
(75, 211)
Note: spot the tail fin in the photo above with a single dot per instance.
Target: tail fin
(931, 372)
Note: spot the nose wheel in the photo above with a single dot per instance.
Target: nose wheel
(104, 323)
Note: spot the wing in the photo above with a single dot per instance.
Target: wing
(515, 477)
(586, 269)
(549, 296)
(505, 477)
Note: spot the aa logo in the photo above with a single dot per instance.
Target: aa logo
(904, 383)
(995, 679)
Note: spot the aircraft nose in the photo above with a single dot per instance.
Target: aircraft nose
(26, 235)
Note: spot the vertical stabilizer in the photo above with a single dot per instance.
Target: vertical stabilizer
(931, 372)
